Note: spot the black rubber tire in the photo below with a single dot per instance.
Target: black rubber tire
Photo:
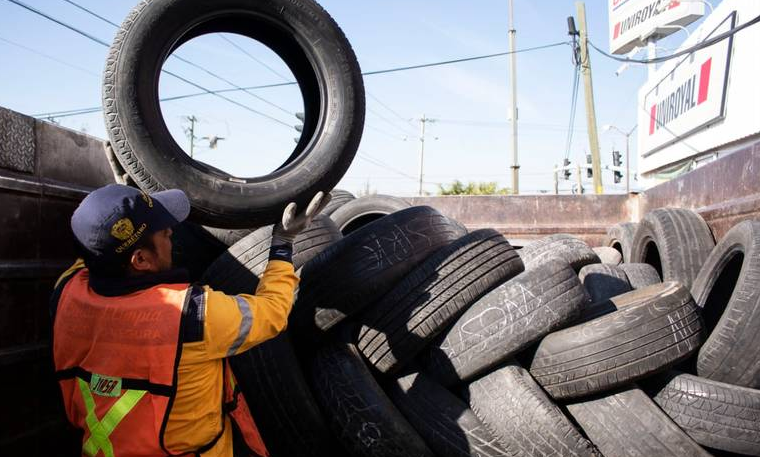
(269, 374)
(627, 422)
(603, 281)
(363, 210)
(526, 422)
(566, 247)
(339, 198)
(357, 270)
(727, 290)
(675, 241)
(640, 275)
(229, 236)
(395, 329)
(718, 415)
(506, 321)
(445, 422)
(653, 329)
(281, 401)
(194, 248)
(608, 255)
(620, 237)
(318, 55)
(362, 417)
(238, 269)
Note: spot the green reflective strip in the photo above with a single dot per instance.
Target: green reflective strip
(101, 430)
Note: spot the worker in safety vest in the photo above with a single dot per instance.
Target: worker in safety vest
(139, 352)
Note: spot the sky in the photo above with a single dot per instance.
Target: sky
(48, 68)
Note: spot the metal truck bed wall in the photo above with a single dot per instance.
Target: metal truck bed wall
(46, 170)
(723, 192)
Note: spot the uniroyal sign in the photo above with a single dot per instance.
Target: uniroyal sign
(632, 22)
(688, 97)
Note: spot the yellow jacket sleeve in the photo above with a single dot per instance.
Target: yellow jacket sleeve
(236, 323)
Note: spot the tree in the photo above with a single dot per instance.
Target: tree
(473, 188)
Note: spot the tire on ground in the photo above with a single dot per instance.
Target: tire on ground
(718, 415)
(675, 241)
(640, 275)
(238, 269)
(357, 270)
(432, 296)
(317, 53)
(506, 321)
(281, 401)
(269, 374)
(653, 329)
(603, 281)
(627, 422)
(620, 238)
(444, 421)
(229, 236)
(362, 417)
(727, 290)
(339, 198)
(608, 255)
(526, 422)
(363, 210)
(566, 247)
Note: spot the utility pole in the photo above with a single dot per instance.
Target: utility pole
(423, 120)
(513, 76)
(593, 137)
(556, 180)
(580, 179)
(191, 133)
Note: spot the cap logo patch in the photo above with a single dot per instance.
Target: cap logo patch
(122, 229)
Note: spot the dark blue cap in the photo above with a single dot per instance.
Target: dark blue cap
(113, 218)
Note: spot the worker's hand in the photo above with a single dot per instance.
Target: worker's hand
(294, 223)
(119, 175)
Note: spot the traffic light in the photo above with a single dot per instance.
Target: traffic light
(566, 169)
(589, 169)
(618, 175)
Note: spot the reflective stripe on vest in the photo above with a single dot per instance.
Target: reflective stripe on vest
(100, 430)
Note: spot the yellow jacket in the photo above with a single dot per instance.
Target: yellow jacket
(230, 326)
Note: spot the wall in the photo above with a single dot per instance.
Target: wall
(44, 172)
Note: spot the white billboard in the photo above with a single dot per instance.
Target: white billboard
(704, 103)
(632, 22)
(687, 98)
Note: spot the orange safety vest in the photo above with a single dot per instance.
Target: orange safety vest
(116, 361)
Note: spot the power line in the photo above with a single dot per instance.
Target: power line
(239, 48)
(389, 122)
(466, 59)
(401, 118)
(188, 62)
(54, 59)
(185, 80)
(704, 44)
(573, 110)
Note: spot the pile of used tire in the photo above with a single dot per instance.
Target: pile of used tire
(412, 337)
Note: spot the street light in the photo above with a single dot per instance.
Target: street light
(627, 135)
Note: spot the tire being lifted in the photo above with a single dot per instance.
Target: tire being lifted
(318, 55)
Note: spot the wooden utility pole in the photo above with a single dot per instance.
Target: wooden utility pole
(191, 133)
(513, 76)
(588, 90)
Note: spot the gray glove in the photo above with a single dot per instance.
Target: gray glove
(294, 223)
(119, 175)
